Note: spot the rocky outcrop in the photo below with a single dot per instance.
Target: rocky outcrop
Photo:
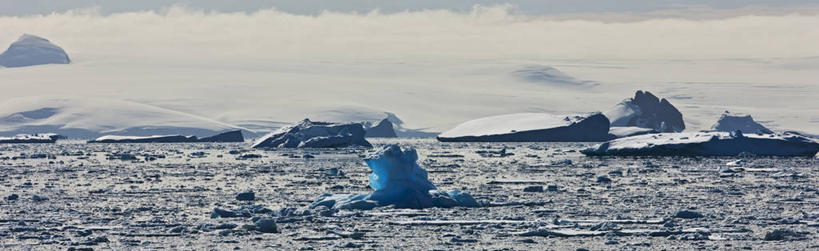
(647, 111)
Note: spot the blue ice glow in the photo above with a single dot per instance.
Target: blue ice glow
(399, 181)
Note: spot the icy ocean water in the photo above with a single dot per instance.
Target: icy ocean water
(107, 196)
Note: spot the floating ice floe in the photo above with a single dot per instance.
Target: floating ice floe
(31, 138)
(384, 129)
(706, 144)
(731, 122)
(647, 111)
(31, 50)
(531, 127)
(231, 136)
(315, 135)
(399, 181)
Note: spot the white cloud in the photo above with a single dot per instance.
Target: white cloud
(484, 33)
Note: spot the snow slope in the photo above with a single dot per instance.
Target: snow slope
(706, 144)
(94, 117)
(31, 50)
(550, 76)
(531, 127)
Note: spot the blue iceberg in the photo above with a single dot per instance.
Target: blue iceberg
(398, 181)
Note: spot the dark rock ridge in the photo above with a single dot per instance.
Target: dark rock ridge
(384, 129)
(31, 50)
(574, 128)
(647, 111)
(731, 122)
(310, 134)
(231, 136)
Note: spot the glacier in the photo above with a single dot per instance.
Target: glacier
(31, 50)
(397, 180)
(314, 134)
(744, 122)
(531, 127)
(706, 144)
(647, 111)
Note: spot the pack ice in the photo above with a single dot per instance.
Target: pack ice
(398, 181)
(706, 144)
(647, 111)
(31, 138)
(314, 134)
(231, 136)
(744, 122)
(31, 50)
(531, 127)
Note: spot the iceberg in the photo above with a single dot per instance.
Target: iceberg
(706, 144)
(531, 127)
(312, 134)
(647, 111)
(31, 138)
(226, 137)
(731, 122)
(31, 50)
(384, 129)
(229, 136)
(397, 180)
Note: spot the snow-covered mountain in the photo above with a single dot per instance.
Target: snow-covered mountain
(93, 117)
(31, 50)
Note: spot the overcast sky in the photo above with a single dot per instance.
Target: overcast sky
(529, 7)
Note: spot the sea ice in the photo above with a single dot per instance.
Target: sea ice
(315, 135)
(706, 144)
(531, 127)
(399, 181)
(31, 50)
(647, 111)
(731, 122)
(29, 138)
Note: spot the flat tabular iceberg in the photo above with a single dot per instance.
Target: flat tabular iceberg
(731, 122)
(315, 135)
(231, 136)
(31, 50)
(706, 144)
(29, 138)
(399, 181)
(647, 111)
(531, 127)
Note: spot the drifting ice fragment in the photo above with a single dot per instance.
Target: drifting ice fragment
(315, 135)
(647, 111)
(706, 144)
(731, 122)
(531, 127)
(397, 180)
